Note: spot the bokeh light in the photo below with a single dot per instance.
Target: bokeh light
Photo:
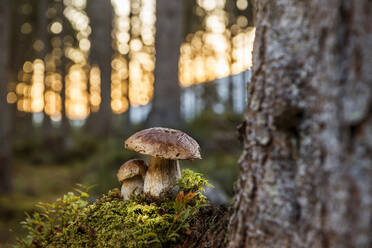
(77, 97)
(134, 61)
(78, 100)
(56, 27)
(26, 28)
(221, 47)
(95, 88)
(242, 4)
(216, 51)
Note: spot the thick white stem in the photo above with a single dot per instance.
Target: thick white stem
(161, 176)
(130, 186)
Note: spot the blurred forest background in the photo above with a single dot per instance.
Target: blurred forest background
(78, 77)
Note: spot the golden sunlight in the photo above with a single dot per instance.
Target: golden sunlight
(134, 61)
(216, 51)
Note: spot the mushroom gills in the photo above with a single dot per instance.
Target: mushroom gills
(161, 176)
(131, 186)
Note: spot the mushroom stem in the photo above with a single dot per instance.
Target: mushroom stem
(161, 176)
(130, 186)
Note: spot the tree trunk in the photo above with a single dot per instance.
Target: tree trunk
(307, 164)
(5, 175)
(101, 17)
(209, 95)
(64, 130)
(169, 33)
(42, 27)
(43, 35)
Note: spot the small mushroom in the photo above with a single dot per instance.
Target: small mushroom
(166, 146)
(130, 176)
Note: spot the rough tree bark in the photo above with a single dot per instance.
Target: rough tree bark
(307, 164)
(5, 175)
(169, 32)
(101, 16)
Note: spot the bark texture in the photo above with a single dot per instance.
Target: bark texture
(306, 168)
(169, 33)
(5, 175)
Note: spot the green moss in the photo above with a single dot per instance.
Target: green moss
(112, 222)
(192, 181)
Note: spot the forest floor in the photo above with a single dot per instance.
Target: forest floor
(44, 178)
(31, 185)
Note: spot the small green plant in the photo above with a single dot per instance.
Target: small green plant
(53, 218)
(112, 222)
(192, 181)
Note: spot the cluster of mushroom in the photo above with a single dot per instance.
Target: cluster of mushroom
(166, 147)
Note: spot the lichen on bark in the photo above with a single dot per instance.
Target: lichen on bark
(306, 165)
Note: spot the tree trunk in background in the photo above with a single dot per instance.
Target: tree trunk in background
(230, 100)
(251, 12)
(306, 169)
(209, 95)
(20, 46)
(42, 27)
(101, 17)
(43, 35)
(65, 127)
(169, 33)
(5, 173)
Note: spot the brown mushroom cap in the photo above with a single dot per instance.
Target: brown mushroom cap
(131, 168)
(164, 143)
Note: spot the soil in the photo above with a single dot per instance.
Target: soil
(208, 229)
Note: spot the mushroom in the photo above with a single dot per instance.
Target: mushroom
(166, 146)
(130, 176)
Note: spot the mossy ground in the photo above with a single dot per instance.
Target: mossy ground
(112, 222)
(43, 169)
